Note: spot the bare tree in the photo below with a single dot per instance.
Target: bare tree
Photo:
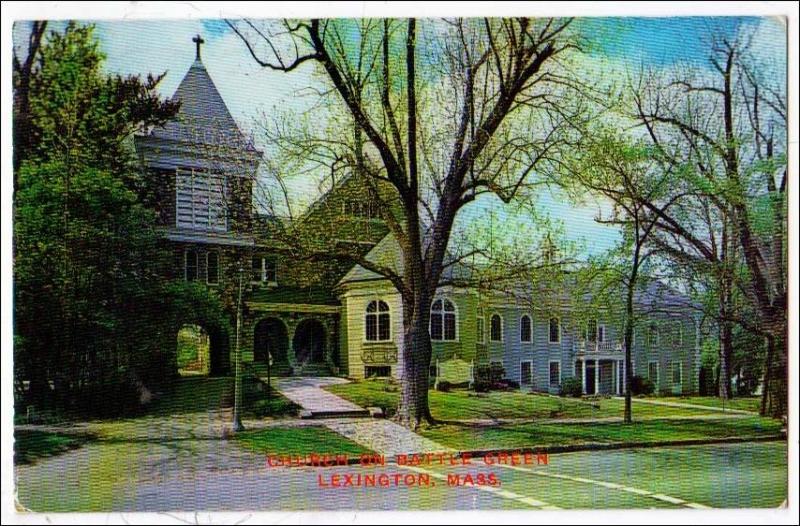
(621, 171)
(443, 112)
(23, 72)
(724, 134)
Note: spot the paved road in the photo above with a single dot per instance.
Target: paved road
(218, 475)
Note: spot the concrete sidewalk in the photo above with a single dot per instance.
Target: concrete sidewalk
(379, 435)
(308, 393)
(384, 437)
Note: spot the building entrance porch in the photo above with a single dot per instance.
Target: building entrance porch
(598, 375)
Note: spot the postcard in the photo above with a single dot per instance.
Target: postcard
(400, 263)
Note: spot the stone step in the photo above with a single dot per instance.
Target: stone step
(260, 369)
(352, 413)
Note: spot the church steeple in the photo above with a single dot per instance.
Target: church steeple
(198, 40)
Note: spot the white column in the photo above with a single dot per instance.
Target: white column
(583, 376)
(615, 376)
(597, 377)
(624, 377)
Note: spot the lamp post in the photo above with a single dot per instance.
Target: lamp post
(237, 389)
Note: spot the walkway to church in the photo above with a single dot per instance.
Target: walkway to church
(379, 435)
(308, 393)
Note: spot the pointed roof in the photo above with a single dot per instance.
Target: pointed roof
(203, 116)
(388, 254)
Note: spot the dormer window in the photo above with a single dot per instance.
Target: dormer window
(264, 270)
(200, 200)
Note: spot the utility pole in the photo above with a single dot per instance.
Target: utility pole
(237, 390)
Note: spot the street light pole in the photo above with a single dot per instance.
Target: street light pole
(237, 389)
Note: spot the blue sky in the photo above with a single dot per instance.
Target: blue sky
(142, 47)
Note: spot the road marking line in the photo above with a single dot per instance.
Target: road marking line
(491, 489)
(635, 490)
(612, 485)
(667, 498)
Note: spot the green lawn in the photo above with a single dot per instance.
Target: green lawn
(30, 446)
(299, 441)
(747, 403)
(202, 394)
(466, 405)
(467, 437)
(194, 395)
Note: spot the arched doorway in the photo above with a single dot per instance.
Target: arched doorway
(270, 339)
(194, 351)
(309, 342)
(201, 350)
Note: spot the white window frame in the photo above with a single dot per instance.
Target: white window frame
(520, 372)
(549, 379)
(214, 283)
(558, 322)
(502, 328)
(587, 333)
(658, 373)
(442, 314)
(672, 373)
(679, 339)
(530, 332)
(651, 329)
(377, 314)
(601, 332)
(263, 279)
(480, 329)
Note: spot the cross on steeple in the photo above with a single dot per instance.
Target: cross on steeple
(198, 40)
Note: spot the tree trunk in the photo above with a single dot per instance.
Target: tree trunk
(765, 383)
(628, 417)
(628, 357)
(413, 406)
(725, 355)
(774, 389)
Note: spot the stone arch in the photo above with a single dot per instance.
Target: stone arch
(271, 337)
(214, 358)
(310, 341)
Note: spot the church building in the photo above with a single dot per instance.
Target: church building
(328, 318)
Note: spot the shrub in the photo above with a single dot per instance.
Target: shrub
(511, 384)
(571, 387)
(642, 386)
(490, 376)
(481, 387)
(443, 386)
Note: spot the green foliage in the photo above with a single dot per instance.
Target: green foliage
(642, 386)
(571, 387)
(80, 115)
(89, 297)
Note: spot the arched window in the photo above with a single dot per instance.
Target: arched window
(496, 328)
(443, 320)
(377, 321)
(525, 328)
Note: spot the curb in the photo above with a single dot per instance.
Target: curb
(589, 446)
(605, 446)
